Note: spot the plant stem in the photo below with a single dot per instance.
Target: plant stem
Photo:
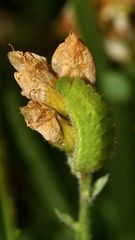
(83, 230)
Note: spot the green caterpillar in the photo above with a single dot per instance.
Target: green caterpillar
(93, 127)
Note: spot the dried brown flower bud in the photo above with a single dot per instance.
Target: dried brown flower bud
(33, 72)
(31, 66)
(46, 111)
(49, 124)
(35, 79)
(43, 119)
(73, 59)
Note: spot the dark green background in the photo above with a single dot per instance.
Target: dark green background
(38, 176)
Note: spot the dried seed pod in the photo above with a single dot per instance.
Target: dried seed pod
(43, 119)
(73, 59)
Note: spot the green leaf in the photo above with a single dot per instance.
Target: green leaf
(65, 218)
(99, 185)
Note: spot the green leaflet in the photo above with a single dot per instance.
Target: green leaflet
(89, 116)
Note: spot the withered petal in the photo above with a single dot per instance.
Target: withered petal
(73, 59)
(42, 119)
(31, 66)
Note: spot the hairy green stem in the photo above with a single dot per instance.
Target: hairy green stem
(83, 230)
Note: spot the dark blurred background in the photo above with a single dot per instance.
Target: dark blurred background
(31, 171)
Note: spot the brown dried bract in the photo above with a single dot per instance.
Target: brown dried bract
(32, 71)
(31, 66)
(73, 59)
(34, 78)
(35, 90)
(42, 119)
